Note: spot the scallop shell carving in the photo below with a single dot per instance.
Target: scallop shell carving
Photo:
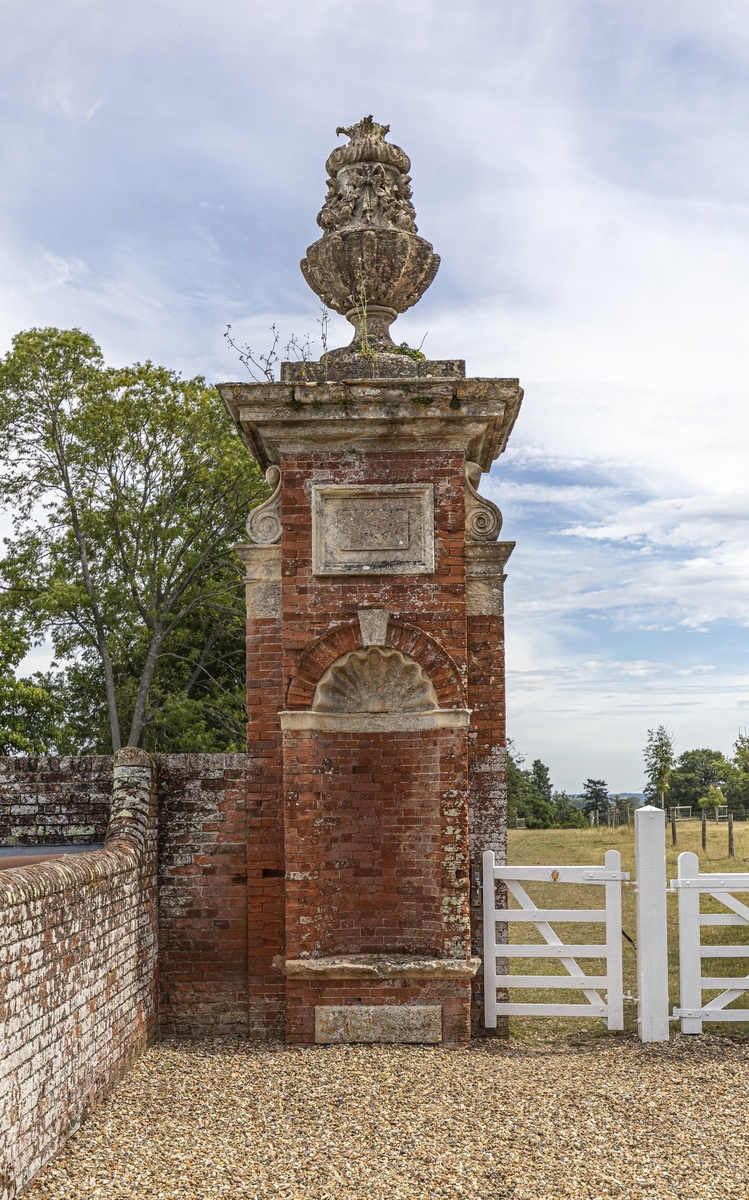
(376, 680)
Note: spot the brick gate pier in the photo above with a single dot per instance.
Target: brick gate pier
(375, 647)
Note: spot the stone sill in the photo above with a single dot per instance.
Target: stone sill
(358, 722)
(380, 966)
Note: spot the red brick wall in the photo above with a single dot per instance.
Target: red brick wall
(376, 853)
(203, 986)
(376, 825)
(304, 994)
(434, 603)
(77, 979)
(487, 773)
(265, 837)
(44, 801)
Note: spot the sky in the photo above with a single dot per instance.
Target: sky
(581, 168)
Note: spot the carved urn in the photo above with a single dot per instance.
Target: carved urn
(370, 264)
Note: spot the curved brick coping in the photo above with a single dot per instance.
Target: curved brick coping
(123, 848)
(381, 966)
(367, 722)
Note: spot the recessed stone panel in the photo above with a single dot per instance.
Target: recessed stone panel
(343, 1023)
(368, 529)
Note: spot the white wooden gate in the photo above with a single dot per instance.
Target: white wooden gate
(691, 885)
(609, 876)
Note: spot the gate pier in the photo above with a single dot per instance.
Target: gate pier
(375, 646)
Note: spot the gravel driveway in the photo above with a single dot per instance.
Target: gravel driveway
(608, 1117)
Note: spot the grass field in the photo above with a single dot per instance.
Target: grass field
(550, 847)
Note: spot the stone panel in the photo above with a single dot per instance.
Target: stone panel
(373, 529)
(378, 1023)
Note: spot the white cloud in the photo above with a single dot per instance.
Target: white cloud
(580, 167)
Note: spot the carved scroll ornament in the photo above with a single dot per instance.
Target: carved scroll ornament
(483, 519)
(264, 522)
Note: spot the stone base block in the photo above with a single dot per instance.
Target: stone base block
(378, 1023)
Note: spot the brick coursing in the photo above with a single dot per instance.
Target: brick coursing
(303, 995)
(265, 830)
(44, 801)
(376, 848)
(372, 829)
(78, 946)
(487, 775)
(203, 847)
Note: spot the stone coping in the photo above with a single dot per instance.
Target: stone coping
(380, 966)
(372, 722)
(123, 850)
(472, 415)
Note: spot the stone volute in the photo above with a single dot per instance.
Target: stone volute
(370, 264)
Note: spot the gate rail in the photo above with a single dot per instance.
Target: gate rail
(690, 886)
(609, 876)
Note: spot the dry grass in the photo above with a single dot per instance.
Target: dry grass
(572, 846)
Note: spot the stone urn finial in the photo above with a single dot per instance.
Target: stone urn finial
(369, 263)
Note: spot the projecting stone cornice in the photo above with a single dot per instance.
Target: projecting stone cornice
(475, 416)
(379, 966)
(368, 722)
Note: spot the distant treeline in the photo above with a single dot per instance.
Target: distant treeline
(695, 779)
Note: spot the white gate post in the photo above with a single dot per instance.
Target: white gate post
(690, 959)
(614, 996)
(652, 935)
(490, 942)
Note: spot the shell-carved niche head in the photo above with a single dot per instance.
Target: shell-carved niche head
(375, 680)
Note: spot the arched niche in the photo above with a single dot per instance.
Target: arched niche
(376, 679)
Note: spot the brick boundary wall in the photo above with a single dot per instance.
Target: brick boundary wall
(78, 952)
(47, 801)
(203, 894)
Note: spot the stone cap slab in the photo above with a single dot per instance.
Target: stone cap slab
(380, 966)
(474, 416)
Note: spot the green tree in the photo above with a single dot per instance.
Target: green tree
(541, 780)
(566, 813)
(695, 772)
(524, 799)
(596, 797)
(659, 762)
(737, 784)
(28, 713)
(128, 488)
(625, 806)
(712, 799)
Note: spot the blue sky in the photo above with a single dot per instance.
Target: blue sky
(582, 169)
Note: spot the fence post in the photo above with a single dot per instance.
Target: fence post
(704, 829)
(731, 842)
(673, 826)
(652, 936)
(690, 959)
(490, 942)
(614, 997)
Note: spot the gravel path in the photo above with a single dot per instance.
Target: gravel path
(608, 1117)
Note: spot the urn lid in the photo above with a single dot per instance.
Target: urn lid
(367, 144)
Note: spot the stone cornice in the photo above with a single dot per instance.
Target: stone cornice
(376, 722)
(475, 416)
(380, 966)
